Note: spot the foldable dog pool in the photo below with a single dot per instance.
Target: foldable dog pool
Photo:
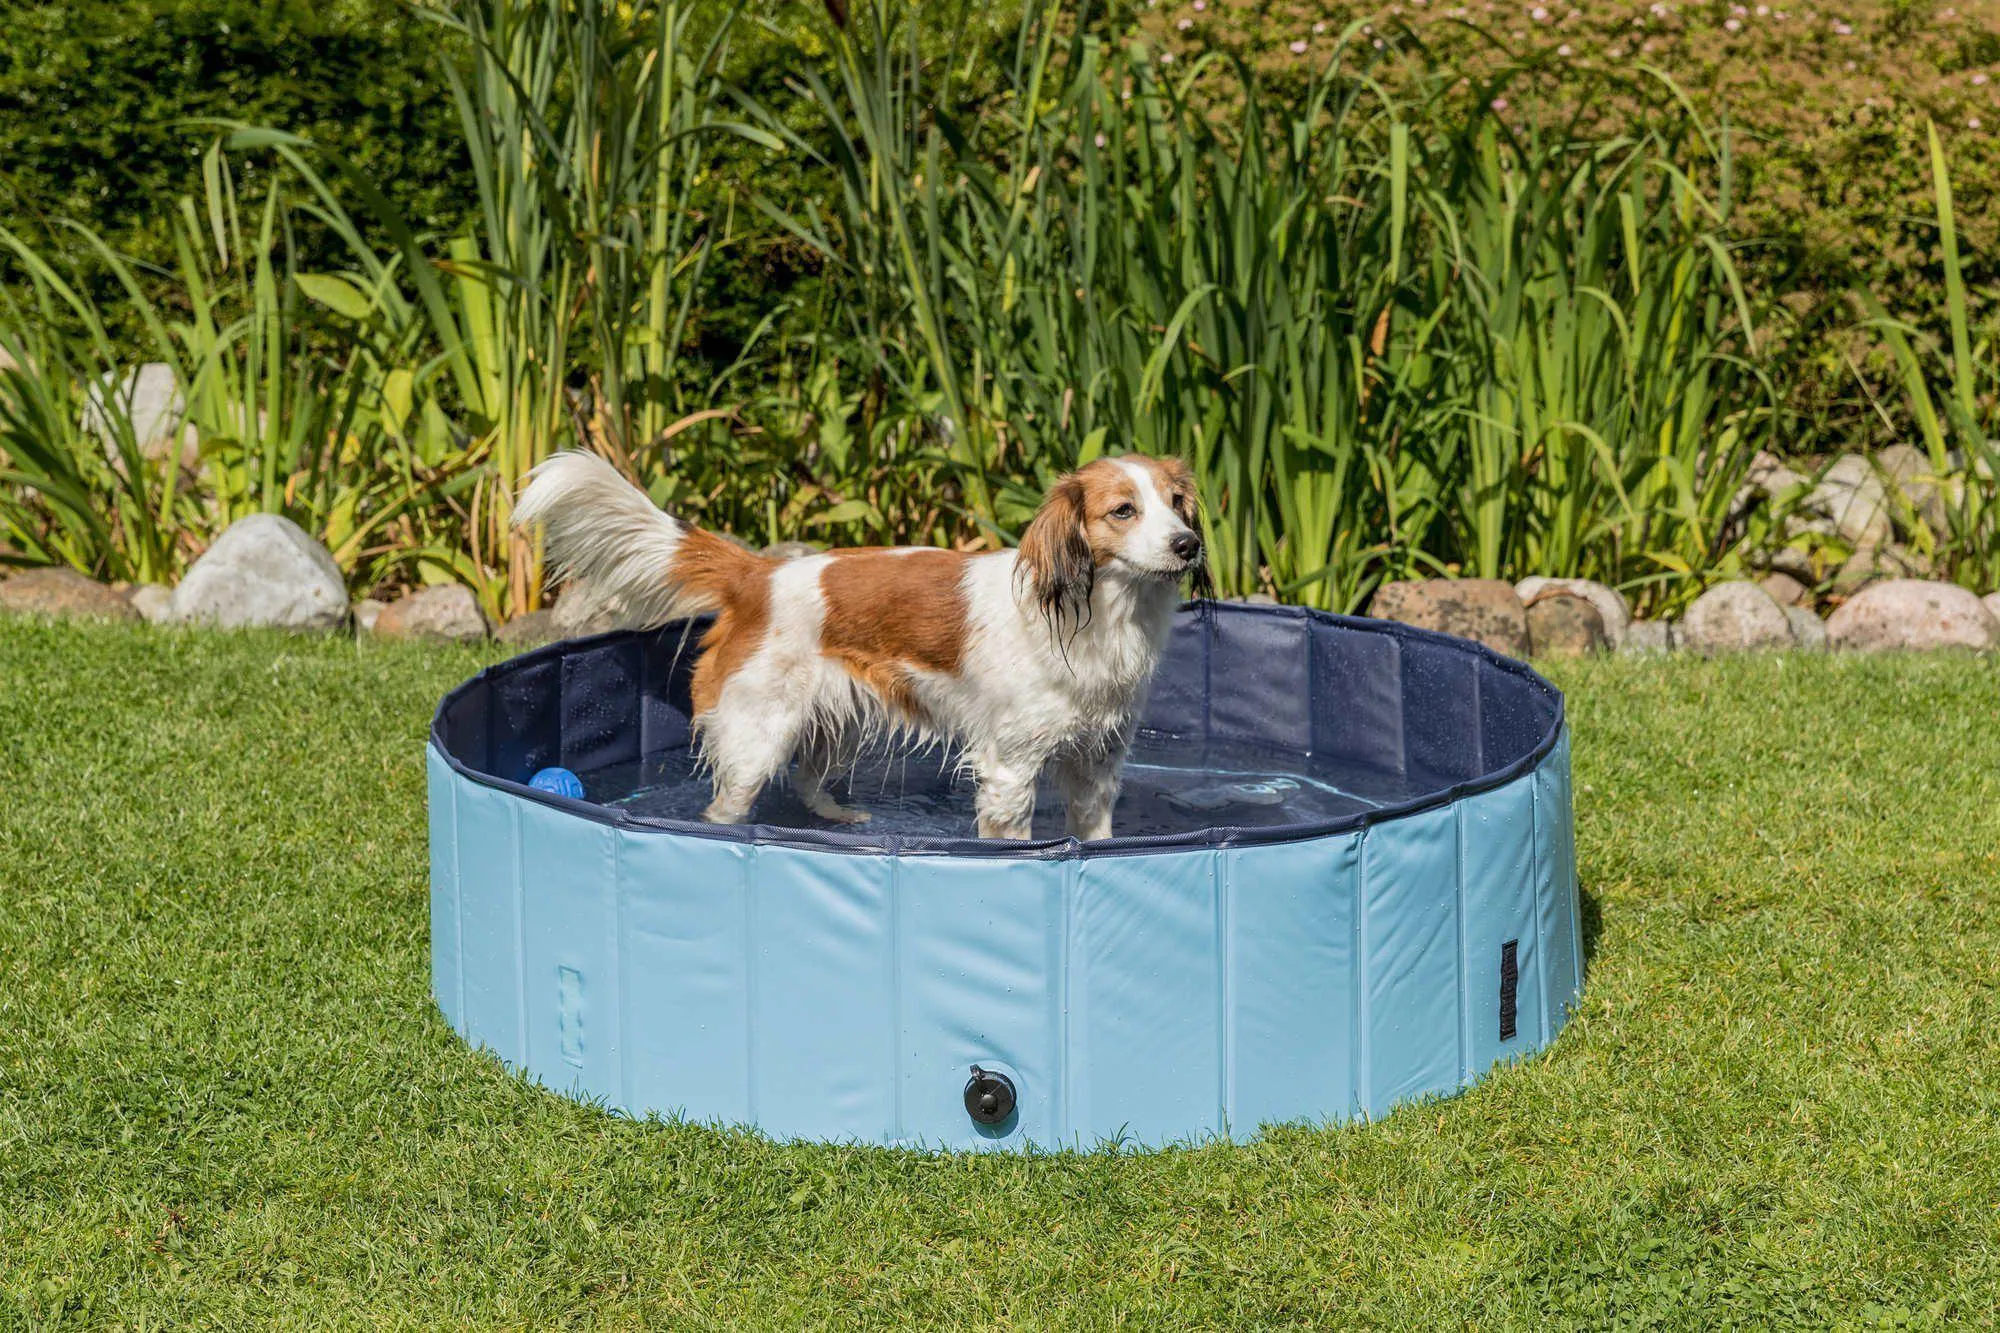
(1344, 878)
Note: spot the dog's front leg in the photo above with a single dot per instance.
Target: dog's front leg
(1006, 801)
(1090, 780)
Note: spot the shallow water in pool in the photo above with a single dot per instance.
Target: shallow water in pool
(1170, 787)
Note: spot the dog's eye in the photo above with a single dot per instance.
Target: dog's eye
(1124, 511)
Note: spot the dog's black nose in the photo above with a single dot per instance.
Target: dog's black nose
(1185, 545)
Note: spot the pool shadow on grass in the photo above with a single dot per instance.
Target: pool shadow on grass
(1590, 914)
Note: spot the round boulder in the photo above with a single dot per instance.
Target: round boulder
(1785, 590)
(1650, 636)
(1915, 614)
(447, 612)
(529, 630)
(1734, 617)
(1561, 624)
(1876, 563)
(62, 592)
(264, 572)
(1484, 610)
(1909, 470)
(1808, 630)
(1611, 606)
(153, 601)
(1851, 497)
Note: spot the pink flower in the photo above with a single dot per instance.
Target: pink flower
(1563, 50)
(1166, 57)
(1499, 104)
(1841, 29)
(1200, 5)
(1101, 141)
(1763, 10)
(1299, 47)
(1319, 27)
(1734, 25)
(1184, 24)
(1978, 79)
(1538, 14)
(1972, 122)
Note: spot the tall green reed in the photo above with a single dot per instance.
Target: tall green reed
(1951, 391)
(1392, 336)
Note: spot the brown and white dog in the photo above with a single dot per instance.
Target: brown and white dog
(1024, 659)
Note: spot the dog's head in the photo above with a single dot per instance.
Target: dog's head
(1132, 518)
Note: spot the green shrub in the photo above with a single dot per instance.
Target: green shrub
(97, 96)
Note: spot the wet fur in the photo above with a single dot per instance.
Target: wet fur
(1030, 661)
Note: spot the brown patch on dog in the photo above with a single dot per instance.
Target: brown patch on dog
(740, 581)
(891, 615)
(1107, 490)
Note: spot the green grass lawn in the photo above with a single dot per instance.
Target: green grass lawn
(226, 1098)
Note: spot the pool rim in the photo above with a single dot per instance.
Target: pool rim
(848, 842)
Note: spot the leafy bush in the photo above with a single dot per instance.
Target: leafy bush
(99, 99)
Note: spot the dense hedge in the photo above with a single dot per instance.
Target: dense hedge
(98, 100)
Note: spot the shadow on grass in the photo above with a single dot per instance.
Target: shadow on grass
(1591, 911)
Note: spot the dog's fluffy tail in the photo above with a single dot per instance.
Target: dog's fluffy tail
(621, 554)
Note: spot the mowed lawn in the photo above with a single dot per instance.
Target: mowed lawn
(226, 1098)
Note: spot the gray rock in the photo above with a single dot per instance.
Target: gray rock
(447, 612)
(366, 612)
(1913, 613)
(579, 615)
(150, 398)
(1651, 636)
(62, 592)
(1873, 564)
(529, 630)
(264, 572)
(1485, 610)
(1808, 630)
(1612, 608)
(1734, 617)
(791, 550)
(1850, 496)
(1767, 478)
(1562, 624)
(153, 601)
(1785, 589)
(1909, 470)
(1991, 601)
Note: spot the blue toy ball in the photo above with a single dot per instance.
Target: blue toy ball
(558, 782)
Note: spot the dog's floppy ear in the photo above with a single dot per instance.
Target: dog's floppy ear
(1055, 555)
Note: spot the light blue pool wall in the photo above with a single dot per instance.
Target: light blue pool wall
(1149, 997)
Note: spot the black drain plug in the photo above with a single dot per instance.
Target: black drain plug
(989, 1096)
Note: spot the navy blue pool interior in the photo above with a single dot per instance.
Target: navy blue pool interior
(1344, 877)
